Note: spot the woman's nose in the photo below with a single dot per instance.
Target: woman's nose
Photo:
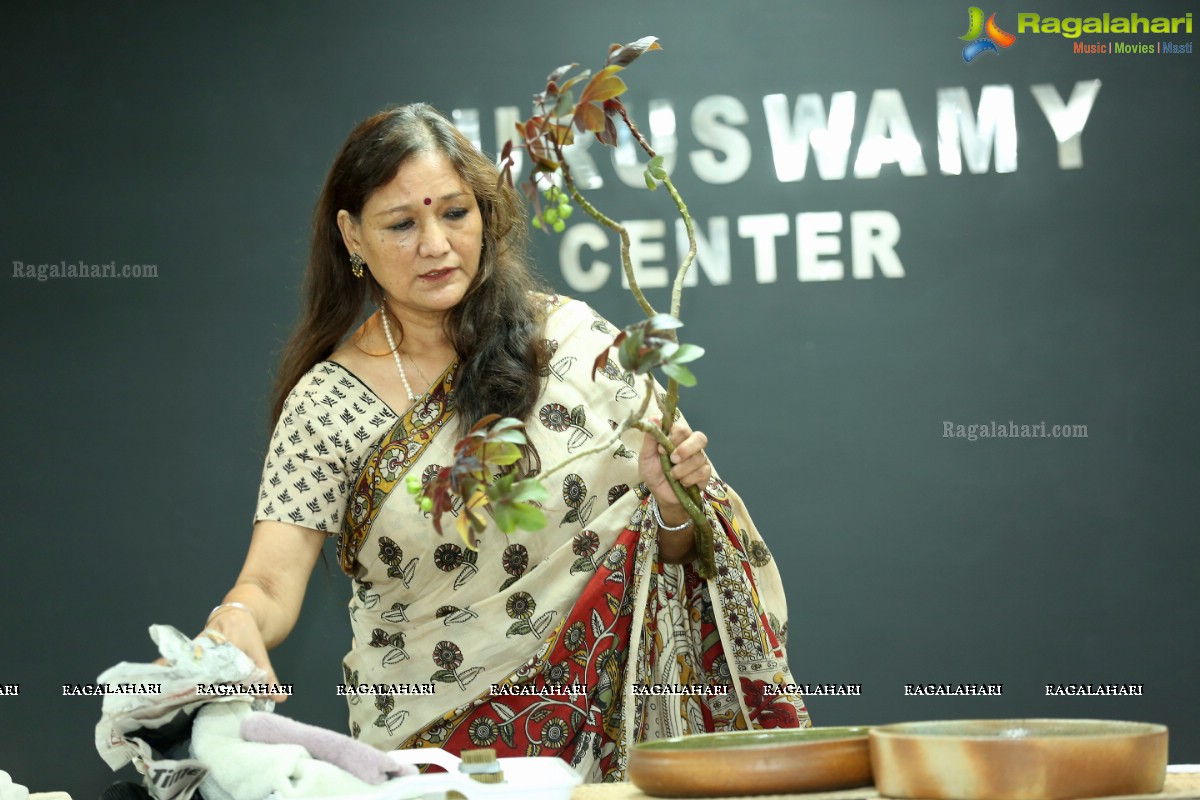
(434, 241)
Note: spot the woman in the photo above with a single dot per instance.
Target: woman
(599, 602)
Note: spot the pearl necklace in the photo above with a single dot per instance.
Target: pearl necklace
(387, 331)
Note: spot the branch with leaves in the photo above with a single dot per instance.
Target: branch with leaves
(481, 479)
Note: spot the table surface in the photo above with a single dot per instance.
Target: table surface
(1179, 786)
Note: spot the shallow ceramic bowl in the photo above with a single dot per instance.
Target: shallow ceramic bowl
(1018, 759)
(752, 762)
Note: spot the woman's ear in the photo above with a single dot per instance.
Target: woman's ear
(351, 231)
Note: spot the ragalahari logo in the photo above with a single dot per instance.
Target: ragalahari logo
(993, 40)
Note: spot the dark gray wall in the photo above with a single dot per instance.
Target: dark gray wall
(196, 140)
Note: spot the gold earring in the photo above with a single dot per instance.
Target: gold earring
(356, 265)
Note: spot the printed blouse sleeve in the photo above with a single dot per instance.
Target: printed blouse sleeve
(319, 442)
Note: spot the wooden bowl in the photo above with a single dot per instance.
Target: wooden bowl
(1018, 759)
(752, 762)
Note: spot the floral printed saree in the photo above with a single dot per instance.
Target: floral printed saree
(573, 641)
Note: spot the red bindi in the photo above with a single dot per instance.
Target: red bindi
(428, 201)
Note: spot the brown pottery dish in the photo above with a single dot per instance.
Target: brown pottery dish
(752, 762)
(1018, 759)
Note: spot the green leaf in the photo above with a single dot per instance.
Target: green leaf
(443, 675)
(514, 436)
(664, 322)
(518, 628)
(686, 353)
(506, 520)
(582, 564)
(565, 105)
(680, 373)
(501, 454)
(505, 424)
(650, 184)
(655, 168)
(529, 490)
(529, 518)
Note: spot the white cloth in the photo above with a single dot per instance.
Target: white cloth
(10, 790)
(242, 770)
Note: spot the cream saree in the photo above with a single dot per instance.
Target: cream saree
(572, 641)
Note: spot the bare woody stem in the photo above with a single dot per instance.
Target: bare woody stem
(597, 215)
(672, 401)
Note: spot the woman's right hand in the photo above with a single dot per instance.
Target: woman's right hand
(238, 627)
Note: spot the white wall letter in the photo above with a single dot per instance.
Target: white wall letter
(995, 123)
(574, 239)
(763, 229)
(1067, 121)
(816, 236)
(707, 118)
(830, 138)
(873, 238)
(888, 138)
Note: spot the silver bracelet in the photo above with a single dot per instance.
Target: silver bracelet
(242, 606)
(658, 520)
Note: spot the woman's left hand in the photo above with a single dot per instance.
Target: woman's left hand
(689, 466)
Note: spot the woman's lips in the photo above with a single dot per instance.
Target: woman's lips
(436, 275)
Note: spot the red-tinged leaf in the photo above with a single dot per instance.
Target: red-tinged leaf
(603, 86)
(608, 136)
(600, 363)
(623, 56)
(483, 423)
(589, 118)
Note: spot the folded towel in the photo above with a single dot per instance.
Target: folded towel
(10, 790)
(241, 770)
(360, 760)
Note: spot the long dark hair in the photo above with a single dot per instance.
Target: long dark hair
(497, 328)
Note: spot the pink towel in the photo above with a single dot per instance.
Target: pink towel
(360, 760)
